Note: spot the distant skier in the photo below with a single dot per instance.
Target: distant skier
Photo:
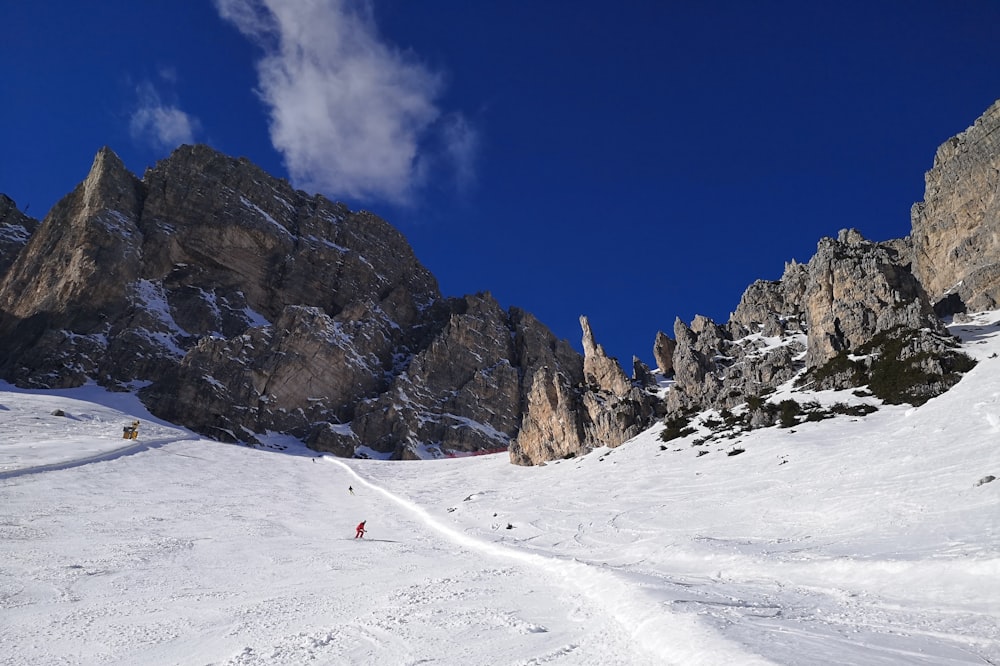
(350, 489)
(361, 530)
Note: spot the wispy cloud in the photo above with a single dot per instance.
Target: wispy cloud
(352, 115)
(159, 124)
(461, 142)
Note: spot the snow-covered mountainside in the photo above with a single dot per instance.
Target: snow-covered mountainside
(856, 540)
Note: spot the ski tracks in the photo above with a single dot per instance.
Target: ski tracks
(104, 456)
(668, 637)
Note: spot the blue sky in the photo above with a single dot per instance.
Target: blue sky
(631, 161)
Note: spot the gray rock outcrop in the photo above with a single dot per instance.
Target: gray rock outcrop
(857, 289)
(70, 280)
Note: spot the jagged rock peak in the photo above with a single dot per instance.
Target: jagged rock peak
(109, 185)
(598, 368)
(663, 353)
(83, 253)
(851, 237)
(851, 291)
(208, 162)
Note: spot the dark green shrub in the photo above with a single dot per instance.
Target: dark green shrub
(853, 410)
(788, 410)
(712, 424)
(839, 365)
(897, 380)
(677, 426)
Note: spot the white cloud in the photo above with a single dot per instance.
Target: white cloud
(352, 115)
(162, 125)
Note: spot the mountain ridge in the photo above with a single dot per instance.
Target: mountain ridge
(237, 305)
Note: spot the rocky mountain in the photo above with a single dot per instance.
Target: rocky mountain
(237, 305)
(860, 313)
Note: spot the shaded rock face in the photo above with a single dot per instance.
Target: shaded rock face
(772, 308)
(243, 306)
(465, 391)
(15, 230)
(124, 276)
(956, 228)
(715, 370)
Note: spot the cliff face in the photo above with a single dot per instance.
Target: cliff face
(956, 228)
(242, 306)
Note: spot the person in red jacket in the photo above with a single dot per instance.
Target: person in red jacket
(361, 530)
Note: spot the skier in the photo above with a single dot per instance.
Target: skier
(361, 530)
(350, 489)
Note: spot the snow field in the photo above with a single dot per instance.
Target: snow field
(665, 636)
(854, 540)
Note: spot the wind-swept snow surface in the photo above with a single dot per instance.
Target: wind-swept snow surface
(848, 541)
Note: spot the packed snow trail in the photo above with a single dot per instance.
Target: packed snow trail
(667, 636)
(130, 449)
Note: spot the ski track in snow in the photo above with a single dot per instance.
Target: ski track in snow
(665, 635)
(130, 449)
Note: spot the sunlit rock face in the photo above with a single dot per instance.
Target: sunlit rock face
(956, 228)
(572, 409)
(857, 289)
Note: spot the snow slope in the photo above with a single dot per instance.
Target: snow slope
(847, 541)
